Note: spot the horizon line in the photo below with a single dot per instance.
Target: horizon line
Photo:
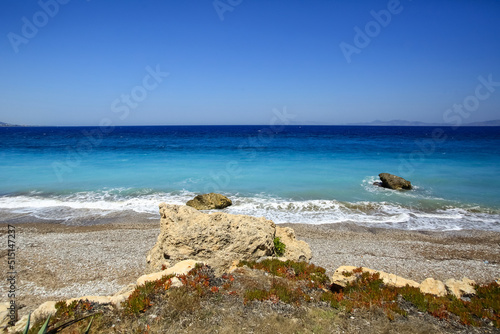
(263, 125)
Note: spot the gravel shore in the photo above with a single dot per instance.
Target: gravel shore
(55, 261)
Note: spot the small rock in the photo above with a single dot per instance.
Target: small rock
(233, 266)
(295, 250)
(20, 325)
(43, 311)
(209, 202)
(394, 182)
(180, 268)
(176, 283)
(463, 288)
(342, 280)
(433, 287)
(5, 315)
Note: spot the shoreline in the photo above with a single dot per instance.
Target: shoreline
(56, 261)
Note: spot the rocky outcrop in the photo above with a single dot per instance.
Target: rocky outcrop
(5, 315)
(394, 182)
(115, 300)
(49, 308)
(209, 202)
(181, 268)
(296, 250)
(463, 288)
(217, 239)
(344, 275)
(433, 287)
(42, 312)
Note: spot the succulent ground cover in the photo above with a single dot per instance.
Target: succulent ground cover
(282, 297)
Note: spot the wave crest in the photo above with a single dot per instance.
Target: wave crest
(112, 202)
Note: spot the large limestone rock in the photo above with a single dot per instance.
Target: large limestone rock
(394, 182)
(463, 288)
(342, 280)
(295, 250)
(209, 202)
(433, 287)
(217, 239)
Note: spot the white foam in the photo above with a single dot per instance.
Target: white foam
(366, 213)
(416, 193)
(102, 203)
(79, 204)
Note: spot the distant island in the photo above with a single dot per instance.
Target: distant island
(485, 123)
(7, 124)
(396, 122)
(410, 123)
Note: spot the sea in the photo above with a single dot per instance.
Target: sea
(289, 174)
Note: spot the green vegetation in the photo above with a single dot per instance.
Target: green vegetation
(297, 271)
(366, 291)
(280, 291)
(141, 299)
(279, 247)
(71, 315)
(485, 305)
(276, 297)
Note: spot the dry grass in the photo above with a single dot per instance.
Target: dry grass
(284, 297)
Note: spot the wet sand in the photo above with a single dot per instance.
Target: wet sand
(57, 261)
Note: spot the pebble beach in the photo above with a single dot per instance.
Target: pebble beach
(56, 261)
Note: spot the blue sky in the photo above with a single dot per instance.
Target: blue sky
(77, 62)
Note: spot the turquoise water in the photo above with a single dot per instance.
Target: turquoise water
(297, 174)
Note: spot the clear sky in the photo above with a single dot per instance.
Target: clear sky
(161, 62)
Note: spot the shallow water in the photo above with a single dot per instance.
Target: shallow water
(308, 174)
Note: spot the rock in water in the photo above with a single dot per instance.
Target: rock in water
(209, 202)
(217, 239)
(394, 182)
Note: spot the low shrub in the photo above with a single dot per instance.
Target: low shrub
(280, 291)
(141, 298)
(292, 270)
(279, 247)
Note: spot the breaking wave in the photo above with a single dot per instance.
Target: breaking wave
(424, 213)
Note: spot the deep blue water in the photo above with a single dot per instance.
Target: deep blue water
(298, 174)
